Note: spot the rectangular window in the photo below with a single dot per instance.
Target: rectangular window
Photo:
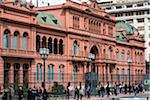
(140, 5)
(140, 28)
(140, 20)
(129, 6)
(118, 7)
(129, 21)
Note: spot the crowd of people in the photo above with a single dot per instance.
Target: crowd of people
(32, 94)
(78, 92)
(107, 90)
(118, 88)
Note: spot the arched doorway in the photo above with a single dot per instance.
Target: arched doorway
(93, 55)
(91, 77)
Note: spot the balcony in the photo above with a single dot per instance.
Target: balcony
(108, 59)
(52, 56)
(17, 53)
(82, 56)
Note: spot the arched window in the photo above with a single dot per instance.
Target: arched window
(16, 75)
(136, 74)
(6, 38)
(117, 54)
(75, 48)
(37, 43)
(141, 58)
(50, 45)
(138, 56)
(44, 42)
(50, 72)
(55, 46)
(6, 74)
(25, 75)
(122, 73)
(135, 57)
(122, 55)
(128, 55)
(128, 74)
(61, 72)
(61, 46)
(24, 41)
(110, 52)
(39, 72)
(75, 71)
(16, 38)
(117, 74)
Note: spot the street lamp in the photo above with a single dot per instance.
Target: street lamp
(44, 55)
(129, 62)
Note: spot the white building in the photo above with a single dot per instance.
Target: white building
(40, 3)
(136, 13)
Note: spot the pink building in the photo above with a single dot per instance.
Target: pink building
(81, 38)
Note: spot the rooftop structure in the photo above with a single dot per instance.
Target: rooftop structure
(135, 13)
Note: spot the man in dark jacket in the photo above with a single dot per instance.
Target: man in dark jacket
(20, 93)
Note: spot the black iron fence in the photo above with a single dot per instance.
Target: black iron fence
(73, 78)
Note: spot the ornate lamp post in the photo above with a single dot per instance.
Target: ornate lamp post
(44, 55)
(129, 62)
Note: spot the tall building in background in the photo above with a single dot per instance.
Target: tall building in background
(136, 13)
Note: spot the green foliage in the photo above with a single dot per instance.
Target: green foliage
(58, 88)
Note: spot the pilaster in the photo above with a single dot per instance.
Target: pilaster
(21, 75)
(11, 75)
(1, 72)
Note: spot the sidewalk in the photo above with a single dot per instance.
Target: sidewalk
(113, 96)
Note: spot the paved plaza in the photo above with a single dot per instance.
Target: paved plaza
(140, 96)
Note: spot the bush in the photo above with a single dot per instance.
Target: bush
(58, 88)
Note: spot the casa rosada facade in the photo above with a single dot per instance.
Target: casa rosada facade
(81, 38)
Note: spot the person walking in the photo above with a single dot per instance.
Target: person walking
(108, 90)
(102, 90)
(20, 93)
(115, 89)
(125, 88)
(98, 90)
(81, 92)
(11, 92)
(29, 94)
(67, 91)
(44, 95)
(88, 90)
(76, 93)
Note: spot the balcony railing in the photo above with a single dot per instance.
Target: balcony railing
(17, 53)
